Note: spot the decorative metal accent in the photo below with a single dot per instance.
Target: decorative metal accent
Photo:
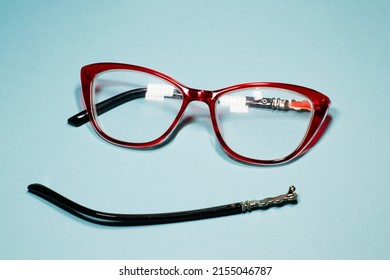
(279, 104)
(291, 196)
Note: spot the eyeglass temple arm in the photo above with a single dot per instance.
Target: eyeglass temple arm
(280, 104)
(117, 100)
(112, 219)
(82, 118)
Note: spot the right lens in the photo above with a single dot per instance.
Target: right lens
(263, 123)
(133, 106)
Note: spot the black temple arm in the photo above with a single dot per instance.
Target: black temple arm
(113, 219)
(107, 105)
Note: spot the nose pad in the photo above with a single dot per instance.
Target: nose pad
(198, 113)
(197, 116)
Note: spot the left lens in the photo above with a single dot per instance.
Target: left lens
(263, 123)
(134, 106)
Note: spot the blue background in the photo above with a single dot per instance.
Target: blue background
(340, 48)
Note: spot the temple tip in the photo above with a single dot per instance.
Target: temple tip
(79, 119)
(35, 187)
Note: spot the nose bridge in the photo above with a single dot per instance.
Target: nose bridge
(200, 95)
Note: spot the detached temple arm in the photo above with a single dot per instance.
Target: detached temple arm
(112, 219)
(124, 97)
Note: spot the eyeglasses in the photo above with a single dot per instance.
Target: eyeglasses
(136, 107)
(257, 123)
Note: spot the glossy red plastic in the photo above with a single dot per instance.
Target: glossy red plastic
(320, 105)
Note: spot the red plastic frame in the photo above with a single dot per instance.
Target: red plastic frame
(320, 103)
